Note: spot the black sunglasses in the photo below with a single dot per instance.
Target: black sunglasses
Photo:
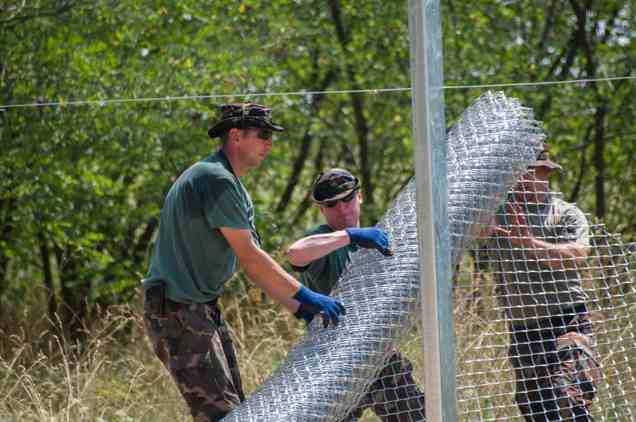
(348, 198)
(264, 134)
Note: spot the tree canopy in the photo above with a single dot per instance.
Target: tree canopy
(83, 183)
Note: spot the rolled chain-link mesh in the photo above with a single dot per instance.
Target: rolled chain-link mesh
(329, 372)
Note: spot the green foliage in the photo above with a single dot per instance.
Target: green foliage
(83, 185)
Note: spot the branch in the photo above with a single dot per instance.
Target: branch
(16, 19)
(549, 23)
(306, 202)
(583, 166)
(303, 152)
(357, 102)
(569, 52)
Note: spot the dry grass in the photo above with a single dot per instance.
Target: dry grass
(114, 376)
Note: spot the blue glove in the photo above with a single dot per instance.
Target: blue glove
(306, 312)
(370, 238)
(312, 303)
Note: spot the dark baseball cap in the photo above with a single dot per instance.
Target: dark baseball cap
(334, 184)
(543, 160)
(243, 116)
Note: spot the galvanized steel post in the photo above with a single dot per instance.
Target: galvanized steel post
(430, 149)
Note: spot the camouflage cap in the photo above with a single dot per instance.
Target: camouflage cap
(334, 184)
(242, 116)
(543, 160)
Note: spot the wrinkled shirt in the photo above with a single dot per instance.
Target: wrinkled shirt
(528, 287)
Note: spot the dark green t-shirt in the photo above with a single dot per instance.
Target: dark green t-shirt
(191, 256)
(322, 274)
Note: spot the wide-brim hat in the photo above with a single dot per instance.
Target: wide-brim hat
(334, 184)
(543, 160)
(243, 116)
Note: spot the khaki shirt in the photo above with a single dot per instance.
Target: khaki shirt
(528, 287)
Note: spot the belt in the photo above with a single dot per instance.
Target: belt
(178, 305)
(157, 295)
(558, 321)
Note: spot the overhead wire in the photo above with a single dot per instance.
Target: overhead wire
(104, 102)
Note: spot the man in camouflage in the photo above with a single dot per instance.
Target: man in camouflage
(206, 229)
(322, 257)
(540, 243)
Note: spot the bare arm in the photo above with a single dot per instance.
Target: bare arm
(555, 255)
(261, 269)
(308, 249)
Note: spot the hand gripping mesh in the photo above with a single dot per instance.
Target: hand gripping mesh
(325, 375)
(546, 337)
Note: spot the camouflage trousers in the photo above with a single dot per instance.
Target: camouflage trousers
(394, 396)
(555, 368)
(194, 345)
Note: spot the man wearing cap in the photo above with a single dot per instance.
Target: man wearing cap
(323, 255)
(540, 242)
(206, 229)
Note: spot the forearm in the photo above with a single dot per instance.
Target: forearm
(308, 249)
(556, 255)
(270, 277)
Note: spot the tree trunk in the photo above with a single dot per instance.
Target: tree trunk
(7, 206)
(303, 151)
(582, 167)
(74, 309)
(586, 40)
(357, 102)
(306, 202)
(599, 159)
(45, 256)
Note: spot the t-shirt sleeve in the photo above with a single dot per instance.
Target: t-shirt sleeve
(299, 269)
(575, 226)
(312, 272)
(223, 205)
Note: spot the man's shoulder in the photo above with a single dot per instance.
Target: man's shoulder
(208, 171)
(564, 209)
(216, 165)
(203, 179)
(558, 201)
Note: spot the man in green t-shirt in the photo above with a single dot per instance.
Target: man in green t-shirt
(323, 255)
(207, 228)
